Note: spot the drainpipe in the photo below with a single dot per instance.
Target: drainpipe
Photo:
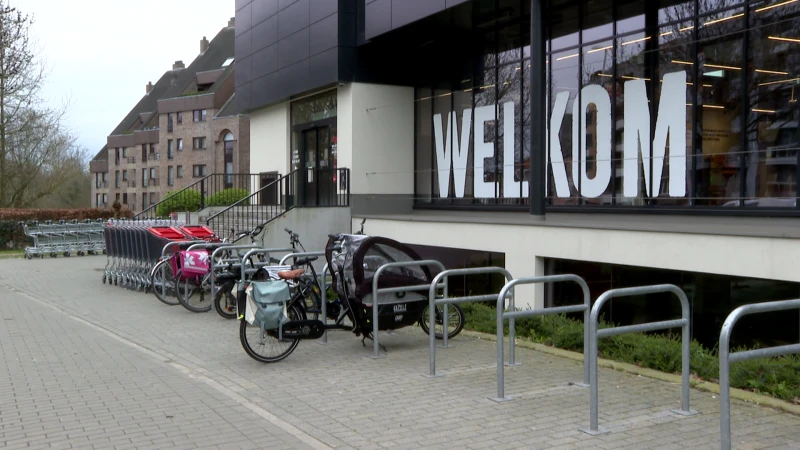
(538, 111)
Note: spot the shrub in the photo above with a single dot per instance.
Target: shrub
(184, 201)
(778, 377)
(228, 197)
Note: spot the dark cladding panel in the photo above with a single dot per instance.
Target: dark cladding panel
(378, 18)
(265, 61)
(244, 19)
(286, 3)
(324, 34)
(265, 34)
(242, 46)
(323, 67)
(382, 16)
(293, 18)
(293, 49)
(407, 11)
(321, 9)
(241, 4)
(264, 9)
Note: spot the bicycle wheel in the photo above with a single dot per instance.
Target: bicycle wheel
(268, 348)
(225, 300)
(191, 292)
(456, 319)
(162, 282)
(312, 304)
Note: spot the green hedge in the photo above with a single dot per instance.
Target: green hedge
(186, 201)
(228, 197)
(778, 377)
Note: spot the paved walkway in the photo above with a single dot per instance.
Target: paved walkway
(94, 366)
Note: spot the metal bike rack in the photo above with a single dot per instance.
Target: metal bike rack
(512, 314)
(324, 312)
(376, 292)
(300, 255)
(256, 266)
(595, 334)
(445, 301)
(726, 357)
(214, 255)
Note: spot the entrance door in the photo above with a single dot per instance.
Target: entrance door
(317, 167)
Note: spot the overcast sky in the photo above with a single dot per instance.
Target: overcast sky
(102, 53)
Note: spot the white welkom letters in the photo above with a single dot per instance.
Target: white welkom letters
(451, 152)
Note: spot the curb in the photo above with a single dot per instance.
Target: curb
(705, 386)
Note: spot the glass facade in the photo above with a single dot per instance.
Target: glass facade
(651, 104)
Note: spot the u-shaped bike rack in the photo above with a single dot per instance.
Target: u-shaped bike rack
(512, 314)
(726, 357)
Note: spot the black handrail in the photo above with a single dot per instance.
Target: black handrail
(217, 189)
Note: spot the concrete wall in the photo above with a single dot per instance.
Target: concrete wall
(526, 246)
(376, 140)
(312, 224)
(269, 140)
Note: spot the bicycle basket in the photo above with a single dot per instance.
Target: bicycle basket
(194, 263)
(266, 304)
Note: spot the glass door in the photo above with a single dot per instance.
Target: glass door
(317, 166)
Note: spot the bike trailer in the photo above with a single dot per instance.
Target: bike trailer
(354, 270)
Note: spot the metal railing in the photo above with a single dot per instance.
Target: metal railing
(595, 335)
(376, 292)
(300, 188)
(445, 301)
(512, 314)
(726, 357)
(212, 190)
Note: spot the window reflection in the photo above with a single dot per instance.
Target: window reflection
(742, 80)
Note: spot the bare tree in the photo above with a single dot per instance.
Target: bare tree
(37, 153)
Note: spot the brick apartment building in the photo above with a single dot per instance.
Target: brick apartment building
(186, 126)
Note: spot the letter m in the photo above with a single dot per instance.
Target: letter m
(670, 126)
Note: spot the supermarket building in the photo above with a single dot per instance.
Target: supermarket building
(636, 142)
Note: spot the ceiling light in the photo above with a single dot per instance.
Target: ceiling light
(767, 111)
(605, 75)
(675, 61)
(778, 38)
(636, 40)
(717, 66)
(779, 81)
(665, 34)
(567, 57)
(687, 28)
(634, 78)
(712, 22)
(600, 49)
(773, 72)
(775, 6)
(714, 106)
(716, 74)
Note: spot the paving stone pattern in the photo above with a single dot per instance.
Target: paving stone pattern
(108, 366)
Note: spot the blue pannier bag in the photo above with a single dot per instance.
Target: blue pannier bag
(266, 304)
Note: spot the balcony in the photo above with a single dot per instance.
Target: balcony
(132, 160)
(132, 183)
(154, 182)
(99, 166)
(154, 157)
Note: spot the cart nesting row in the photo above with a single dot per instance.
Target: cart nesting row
(64, 238)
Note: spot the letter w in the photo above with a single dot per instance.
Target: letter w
(449, 149)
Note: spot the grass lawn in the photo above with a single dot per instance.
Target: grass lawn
(5, 254)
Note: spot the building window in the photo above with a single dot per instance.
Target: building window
(153, 173)
(199, 143)
(116, 178)
(125, 198)
(105, 200)
(144, 178)
(144, 152)
(199, 171)
(97, 202)
(116, 156)
(153, 156)
(180, 145)
(97, 183)
(124, 152)
(180, 171)
(170, 176)
(124, 175)
(170, 149)
(170, 125)
(179, 117)
(199, 115)
(133, 200)
(152, 198)
(228, 142)
(144, 200)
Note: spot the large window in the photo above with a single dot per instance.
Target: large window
(669, 103)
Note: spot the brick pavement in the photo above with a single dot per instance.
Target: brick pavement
(326, 394)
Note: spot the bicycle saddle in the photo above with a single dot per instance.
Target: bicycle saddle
(291, 274)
